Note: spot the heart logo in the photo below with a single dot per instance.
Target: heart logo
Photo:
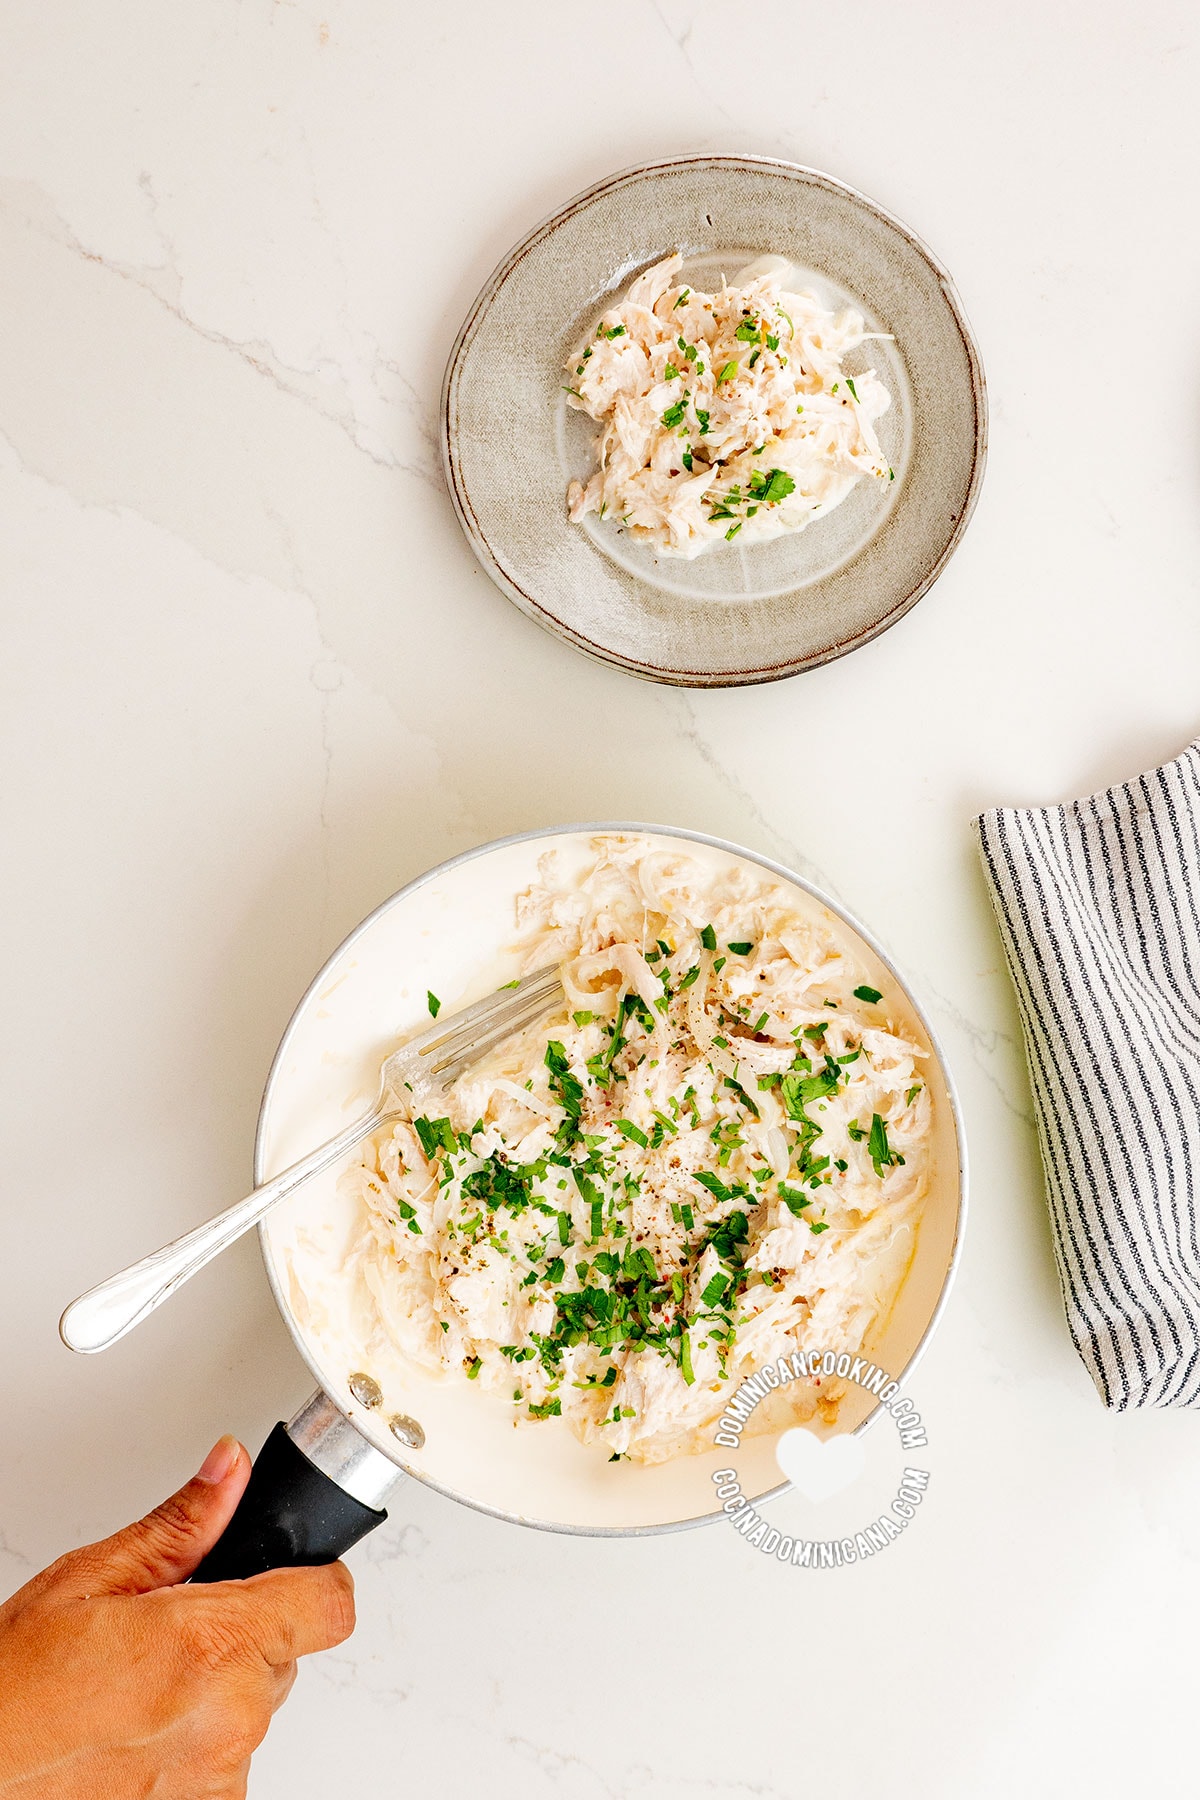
(817, 1467)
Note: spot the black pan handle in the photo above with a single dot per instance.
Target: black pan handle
(294, 1513)
(290, 1514)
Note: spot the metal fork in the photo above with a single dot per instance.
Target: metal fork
(410, 1076)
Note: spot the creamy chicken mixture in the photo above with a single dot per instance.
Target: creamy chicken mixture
(725, 416)
(713, 1155)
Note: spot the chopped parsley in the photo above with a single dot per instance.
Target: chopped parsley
(869, 994)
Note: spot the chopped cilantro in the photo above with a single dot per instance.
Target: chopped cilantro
(869, 994)
(433, 1003)
(715, 1291)
(878, 1149)
(713, 1183)
(435, 1134)
(799, 1089)
(728, 372)
(740, 949)
(777, 487)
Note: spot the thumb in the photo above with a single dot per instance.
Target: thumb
(170, 1542)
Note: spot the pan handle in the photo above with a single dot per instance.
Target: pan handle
(315, 1489)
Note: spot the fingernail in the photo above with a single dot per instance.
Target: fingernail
(219, 1461)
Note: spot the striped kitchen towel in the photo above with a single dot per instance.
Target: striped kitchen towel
(1099, 908)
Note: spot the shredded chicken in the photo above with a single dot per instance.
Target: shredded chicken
(713, 1156)
(725, 416)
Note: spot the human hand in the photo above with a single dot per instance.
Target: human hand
(116, 1682)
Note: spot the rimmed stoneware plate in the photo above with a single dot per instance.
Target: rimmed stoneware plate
(735, 614)
(452, 931)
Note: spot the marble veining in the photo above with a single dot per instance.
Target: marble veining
(254, 681)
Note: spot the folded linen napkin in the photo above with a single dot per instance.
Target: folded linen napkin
(1099, 908)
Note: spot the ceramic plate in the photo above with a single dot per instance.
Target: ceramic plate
(445, 931)
(735, 614)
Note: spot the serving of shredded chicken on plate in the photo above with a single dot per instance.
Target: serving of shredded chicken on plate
(724, 416)
(714, 1155)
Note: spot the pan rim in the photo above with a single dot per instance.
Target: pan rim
(592, 829)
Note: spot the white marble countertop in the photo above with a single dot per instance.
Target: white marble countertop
(254, 681)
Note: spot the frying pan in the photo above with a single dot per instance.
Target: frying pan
(321, 1481)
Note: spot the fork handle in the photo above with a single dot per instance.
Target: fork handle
(105, 1313)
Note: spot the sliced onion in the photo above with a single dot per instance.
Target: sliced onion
(534, 1102)
(622, 960)
(699, 1024)
(763, 1059)
(777, 1152)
